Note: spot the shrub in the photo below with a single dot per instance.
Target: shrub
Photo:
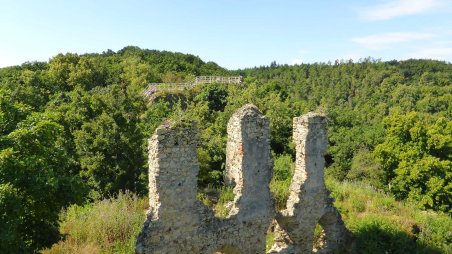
(380, 224)
(435, 231)
(283, 168)
(225, 196)
(107, 226)
(379, 235)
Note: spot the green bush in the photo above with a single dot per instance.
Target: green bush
(225, 195)
(415, 158)
(107, 226)
(379, 235)
(435, 231)
(283, 170)
(380, 224)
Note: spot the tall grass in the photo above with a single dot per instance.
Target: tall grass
(107, 226)
(226, 195)
(381, 224)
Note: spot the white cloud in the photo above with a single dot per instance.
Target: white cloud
(440, 53)
(396, 8)
(382, 41)
(297, 61)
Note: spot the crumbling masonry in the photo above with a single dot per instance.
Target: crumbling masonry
(178, 223)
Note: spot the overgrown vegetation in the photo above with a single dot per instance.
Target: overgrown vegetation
(74, 130)
(107, 226)
(379, 223)
(283, 170)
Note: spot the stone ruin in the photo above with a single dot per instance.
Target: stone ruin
(179, 223)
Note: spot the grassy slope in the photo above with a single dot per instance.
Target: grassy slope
(107, 226)
(382, 225)
(379, 223)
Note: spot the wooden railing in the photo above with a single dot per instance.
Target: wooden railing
(217, 79)
(173, 87)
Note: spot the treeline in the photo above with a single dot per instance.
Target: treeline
(75, 129)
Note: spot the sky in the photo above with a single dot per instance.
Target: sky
(233, 33)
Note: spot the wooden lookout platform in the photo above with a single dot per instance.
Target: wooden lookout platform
(174, 87)
(217, 80)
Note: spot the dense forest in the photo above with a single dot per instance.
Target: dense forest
(74, 130)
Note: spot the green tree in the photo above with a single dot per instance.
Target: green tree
(109, 143)
(11, 220)
(36, 180)
(416, 159)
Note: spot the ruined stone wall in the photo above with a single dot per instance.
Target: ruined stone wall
(249, 164)
(309, 201)
(178, 223)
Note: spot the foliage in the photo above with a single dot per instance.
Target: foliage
(106, 226)
(283, 170)
(379, 223)
(416, 159)
(11, 222)
(365, 168)
(375, 234)
(105, 144)
(35, 174)
(225, 196)
(215, 95)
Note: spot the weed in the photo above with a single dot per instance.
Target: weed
(107, 226)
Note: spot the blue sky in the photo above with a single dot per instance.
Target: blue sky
(233, 33)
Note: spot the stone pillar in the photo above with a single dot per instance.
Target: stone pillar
(249, 170)
(248, 162)
(173, 168)
(309, 202)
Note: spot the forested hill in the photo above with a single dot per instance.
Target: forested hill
(74, 129)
